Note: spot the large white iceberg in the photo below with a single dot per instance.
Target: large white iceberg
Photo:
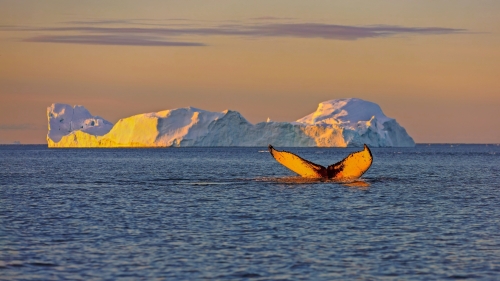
(336, 123)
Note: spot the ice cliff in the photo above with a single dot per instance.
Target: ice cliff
(335, 123)
(65, 120)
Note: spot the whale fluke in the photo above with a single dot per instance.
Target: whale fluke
(351, 167)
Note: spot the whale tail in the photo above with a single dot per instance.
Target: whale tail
(351, 167)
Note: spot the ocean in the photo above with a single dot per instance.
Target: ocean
(431, 212)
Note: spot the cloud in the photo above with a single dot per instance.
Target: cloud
(271, 18)
(137, 34)
(299, 30)
(99, 22)
(343, 32)
(110, 40)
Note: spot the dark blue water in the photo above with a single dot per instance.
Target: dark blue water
(429, 212)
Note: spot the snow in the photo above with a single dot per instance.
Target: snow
(346, 111)
(336, 123)
(164, 128)
(65, 119)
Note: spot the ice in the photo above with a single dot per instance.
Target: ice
(64, 119)
(336, 123)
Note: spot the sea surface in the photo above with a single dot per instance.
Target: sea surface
(431, 212)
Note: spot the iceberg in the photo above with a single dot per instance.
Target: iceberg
(335, 123)
(65, 120)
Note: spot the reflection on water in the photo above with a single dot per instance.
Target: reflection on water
(302, 180)
(292, 180)
(363, 185)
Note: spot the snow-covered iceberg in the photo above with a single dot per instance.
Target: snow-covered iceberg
(336, 123)
(65, 120)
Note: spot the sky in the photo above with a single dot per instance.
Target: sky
(432, 65)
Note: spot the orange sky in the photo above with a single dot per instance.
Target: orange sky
(432, 65)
